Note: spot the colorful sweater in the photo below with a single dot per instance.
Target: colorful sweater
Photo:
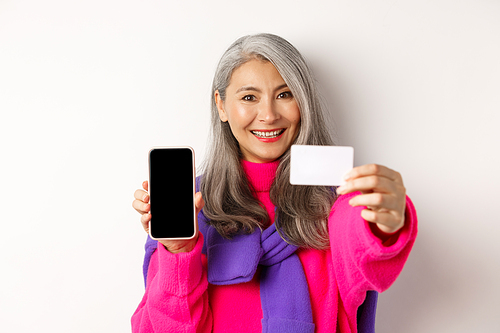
(178, 297)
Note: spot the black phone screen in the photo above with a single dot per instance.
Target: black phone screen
(171, 192)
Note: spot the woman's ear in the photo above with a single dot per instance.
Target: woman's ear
(220, 106)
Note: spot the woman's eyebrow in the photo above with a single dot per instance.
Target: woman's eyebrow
(252, 88)
(248, 88)
(284, 85)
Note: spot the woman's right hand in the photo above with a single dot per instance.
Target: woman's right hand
(141, 205)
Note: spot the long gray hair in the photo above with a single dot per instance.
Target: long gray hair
(302, 211)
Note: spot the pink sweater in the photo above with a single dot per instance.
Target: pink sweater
(178, 297)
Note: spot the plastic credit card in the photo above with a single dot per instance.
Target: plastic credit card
(320, 165)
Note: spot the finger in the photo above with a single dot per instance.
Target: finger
(199, 202)
(145, 218)
(375, 201)
(373, 169)
(141, 206)
(388, 222)
(145, 185)
(368, 184)
(141, 195)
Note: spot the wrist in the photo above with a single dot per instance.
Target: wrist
(387, 238)
(180, 246)
(386, 230)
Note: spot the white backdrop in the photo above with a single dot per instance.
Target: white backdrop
(86, 87)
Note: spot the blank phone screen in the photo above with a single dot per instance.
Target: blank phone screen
(171, 192)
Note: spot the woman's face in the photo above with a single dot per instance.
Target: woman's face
(262, 113)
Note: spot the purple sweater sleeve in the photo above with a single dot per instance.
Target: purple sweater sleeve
(361, 261)
(176, 298)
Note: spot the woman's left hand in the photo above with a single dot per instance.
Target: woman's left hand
(383, 193)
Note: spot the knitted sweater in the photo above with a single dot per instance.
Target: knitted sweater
(178, 297)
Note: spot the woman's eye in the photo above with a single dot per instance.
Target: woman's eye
(285, 94)
(248, 98)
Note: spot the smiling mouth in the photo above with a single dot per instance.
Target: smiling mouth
(268, 134)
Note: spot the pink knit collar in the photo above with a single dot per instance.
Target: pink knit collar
(260, 175)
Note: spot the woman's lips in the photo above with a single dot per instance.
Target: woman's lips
(269, 135)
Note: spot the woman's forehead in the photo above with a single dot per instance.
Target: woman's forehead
(256, 75)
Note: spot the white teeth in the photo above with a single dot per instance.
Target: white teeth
(272, 134)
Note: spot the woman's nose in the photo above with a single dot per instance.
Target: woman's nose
(268, 112)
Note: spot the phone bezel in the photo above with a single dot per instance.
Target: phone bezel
(194, 189)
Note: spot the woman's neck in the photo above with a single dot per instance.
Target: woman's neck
(260, 175)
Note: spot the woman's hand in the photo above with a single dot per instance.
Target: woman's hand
(141, 205)
(383, 193)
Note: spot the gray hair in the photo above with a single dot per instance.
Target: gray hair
(302, 211)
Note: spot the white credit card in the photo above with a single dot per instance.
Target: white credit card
(320, 165)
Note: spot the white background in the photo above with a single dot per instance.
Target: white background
(86, 87)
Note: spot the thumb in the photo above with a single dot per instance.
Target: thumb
(198, 202)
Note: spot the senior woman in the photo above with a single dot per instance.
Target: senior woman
(270, 256)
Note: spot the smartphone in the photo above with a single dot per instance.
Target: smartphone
(171, 193)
